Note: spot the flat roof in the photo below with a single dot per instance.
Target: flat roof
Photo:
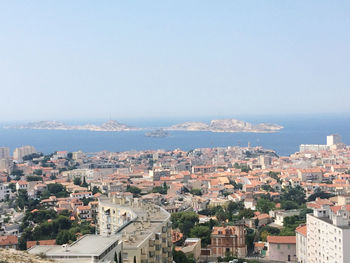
(88, 245)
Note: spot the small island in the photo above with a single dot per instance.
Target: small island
(159, 133)
(110, 125)
(227, 125)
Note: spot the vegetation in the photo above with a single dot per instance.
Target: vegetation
(133, 189)
(185, 221)
(319, 193)
(203, 232)
(195, 191)
(31, 178)
(50, 225)
(264, 205)
(160, 189)
(57, 190)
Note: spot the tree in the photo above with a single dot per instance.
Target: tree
(319, 193)
(12, 186)
(95, 190)
(22, 198)
(296, 194)
(64, 237)
(264, 206)
(77, 181)
(202, 232)
(133, 189)
(84, 184)
(38, 172)
(185, 221)
(195, 191)
(31, 178)
(289, 205)
(245, 213)
(159, 189)
(221, 215)
(179, 257)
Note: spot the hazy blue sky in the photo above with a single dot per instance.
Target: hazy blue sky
(135, 59)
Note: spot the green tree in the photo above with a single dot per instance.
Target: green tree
(64, 237)
(289, 205)
(179, 257)
(133, 189)
(77, 181)
(202, 232)
(319, 193)
(195, 191)
(264, 206)
(31, 178)
(38, 172)
(185, 221)
(245, 213)
(295, 194)
(22, 198)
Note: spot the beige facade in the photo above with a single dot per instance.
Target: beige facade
(145, 229)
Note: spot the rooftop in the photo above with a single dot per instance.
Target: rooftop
(88, 245)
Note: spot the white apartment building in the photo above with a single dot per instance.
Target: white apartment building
(20, 152)
(5, 190)
(301, 243)
(328, 236)
(145, 229)
(4, 153)
(333, 139)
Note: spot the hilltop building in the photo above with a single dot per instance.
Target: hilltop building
(145, 228)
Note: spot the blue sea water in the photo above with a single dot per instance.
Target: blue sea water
(297, 130)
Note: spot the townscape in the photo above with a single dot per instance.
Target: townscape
(224, 204)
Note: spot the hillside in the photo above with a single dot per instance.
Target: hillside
(15, 256)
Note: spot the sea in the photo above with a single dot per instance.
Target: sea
(298, 129)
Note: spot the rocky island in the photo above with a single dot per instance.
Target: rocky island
(111, 125)
(228, 125)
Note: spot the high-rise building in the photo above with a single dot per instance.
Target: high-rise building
(4, 153)
(20, 152)
(333, 139)
(327, 236)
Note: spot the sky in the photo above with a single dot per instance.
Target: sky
(74, 60)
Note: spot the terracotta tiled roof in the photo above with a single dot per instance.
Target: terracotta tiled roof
(41, 243)
(8, 240)
(281, 239)
(301, 230)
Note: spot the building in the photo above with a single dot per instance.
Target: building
(20, 152)
(312, 148)
(145, 228)
(9, 242)
(4, 153)
(89, 248)
(192, 246)
(280, 215)
(314, 175)
(5, 191)
(229, 240)
(301, 245)
(328, 235)
(333, 139)
(281, 248)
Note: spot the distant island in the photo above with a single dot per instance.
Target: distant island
(55, 125)
(228, 125)
(159, 133)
